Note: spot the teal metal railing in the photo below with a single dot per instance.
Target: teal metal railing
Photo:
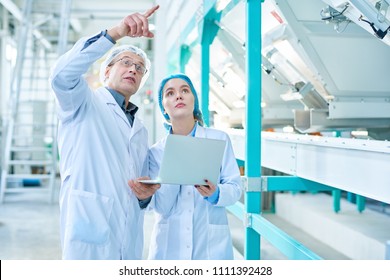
(287, 245)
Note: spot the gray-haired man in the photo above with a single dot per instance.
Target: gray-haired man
(102, 145)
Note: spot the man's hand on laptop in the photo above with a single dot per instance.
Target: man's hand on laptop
(143, 191)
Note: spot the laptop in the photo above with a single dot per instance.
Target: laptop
(189, 160)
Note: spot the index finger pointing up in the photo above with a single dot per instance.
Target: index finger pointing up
(151, 11)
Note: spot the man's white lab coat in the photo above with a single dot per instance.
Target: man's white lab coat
(99, 153)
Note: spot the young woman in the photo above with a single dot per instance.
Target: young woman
(191, 221)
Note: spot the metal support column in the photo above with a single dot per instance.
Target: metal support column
(253, 123)
(208, 30)
(205, 71)
(185, 55)
(336, 200)
(361, 203)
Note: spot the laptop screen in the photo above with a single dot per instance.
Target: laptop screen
(190, 160)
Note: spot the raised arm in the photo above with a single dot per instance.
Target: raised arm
(67, 80)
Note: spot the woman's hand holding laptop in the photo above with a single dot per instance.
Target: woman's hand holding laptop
(206, 190)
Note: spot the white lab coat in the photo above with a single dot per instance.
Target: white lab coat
(187, 226)
(99, 153)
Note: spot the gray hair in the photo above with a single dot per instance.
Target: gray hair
(117, 51)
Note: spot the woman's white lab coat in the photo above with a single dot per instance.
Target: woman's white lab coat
(188, 226)
(99, 153)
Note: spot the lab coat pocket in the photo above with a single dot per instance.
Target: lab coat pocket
(220, 245)
(89, 216)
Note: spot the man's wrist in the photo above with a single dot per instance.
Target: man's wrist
(108, 36)
(143, 203)
(115, 36)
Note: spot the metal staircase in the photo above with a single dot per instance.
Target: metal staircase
(29, 161)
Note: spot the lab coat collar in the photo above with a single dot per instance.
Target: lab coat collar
(200, 131)
(109, 99)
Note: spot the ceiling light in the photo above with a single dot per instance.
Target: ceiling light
(291, 95)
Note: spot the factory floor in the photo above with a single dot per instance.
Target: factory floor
(29, 230)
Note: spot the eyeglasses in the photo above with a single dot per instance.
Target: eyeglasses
(127, 62)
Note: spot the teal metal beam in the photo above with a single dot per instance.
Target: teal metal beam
(291, 183)
(351, 197)
(192, 24)
(182, 39)
(296, 184)
(287, 245)
(361, 203)
(185, 55)
(358, 199)
(336, 200)
(207, 32)
(205, 86)
(253, 122)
